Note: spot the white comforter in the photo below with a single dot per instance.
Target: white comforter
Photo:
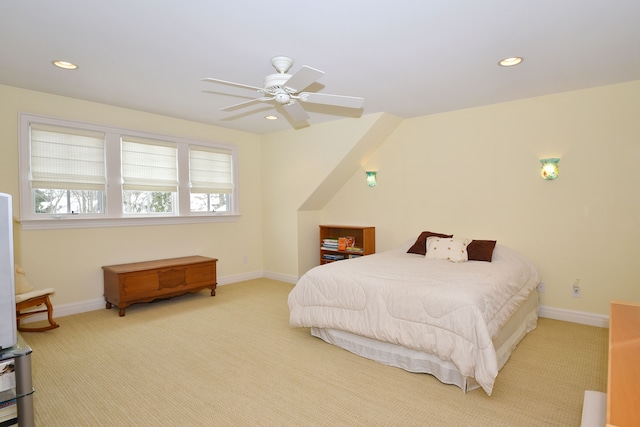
(450, 309)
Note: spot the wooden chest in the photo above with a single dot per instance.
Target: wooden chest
(126, 284)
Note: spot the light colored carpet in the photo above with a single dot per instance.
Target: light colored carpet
(233, 360)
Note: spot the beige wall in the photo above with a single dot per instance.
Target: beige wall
(302, 165)
(475, 173)
(70, 260)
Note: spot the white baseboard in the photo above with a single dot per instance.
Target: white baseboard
(227, 280)
(581, 317)
(68, 309)
(75, 308)
(281, 277)
(99, 304)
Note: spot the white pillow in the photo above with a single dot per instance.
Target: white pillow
(22, 284)
(449, 248)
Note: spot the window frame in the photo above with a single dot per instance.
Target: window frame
(113, 215)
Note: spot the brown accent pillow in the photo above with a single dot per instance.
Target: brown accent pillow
(481, 250)
(420, 246)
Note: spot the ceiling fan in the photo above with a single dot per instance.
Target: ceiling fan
(285, 90)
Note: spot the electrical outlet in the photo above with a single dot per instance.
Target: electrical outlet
(245, 259)
(541, 288)
(575, 289)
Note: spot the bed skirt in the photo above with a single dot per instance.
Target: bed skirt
(523, 321)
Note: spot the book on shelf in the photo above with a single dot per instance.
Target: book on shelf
(7, 374)
(333, 257)
(7, 398)
(8, 407)
(330, 242)
(346, 243)
(8, 417)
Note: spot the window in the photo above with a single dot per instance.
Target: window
(84, 175)
(67, 170)
(211, 179)
(149, 176)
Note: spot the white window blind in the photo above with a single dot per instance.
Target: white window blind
(66, 158)
(149, 165)
(210, 170)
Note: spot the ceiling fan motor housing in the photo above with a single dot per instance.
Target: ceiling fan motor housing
(274, 82)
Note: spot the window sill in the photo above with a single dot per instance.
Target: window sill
(75, 222)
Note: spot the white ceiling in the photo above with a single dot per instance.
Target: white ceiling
(406, 57)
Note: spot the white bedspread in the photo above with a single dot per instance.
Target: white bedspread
(450, 309)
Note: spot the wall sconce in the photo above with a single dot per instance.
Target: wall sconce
(371, 178)
(549, 169)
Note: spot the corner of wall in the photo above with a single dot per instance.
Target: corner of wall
(367, 143)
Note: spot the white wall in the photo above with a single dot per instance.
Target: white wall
(70, 260)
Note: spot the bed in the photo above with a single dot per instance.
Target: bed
(414, 308)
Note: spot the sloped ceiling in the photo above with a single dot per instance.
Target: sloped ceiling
(405, 57)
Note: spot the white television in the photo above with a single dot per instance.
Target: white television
(8, 333)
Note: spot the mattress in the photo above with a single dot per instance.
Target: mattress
(522, 322)
(455, 311)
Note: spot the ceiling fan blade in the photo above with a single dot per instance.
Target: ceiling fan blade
(336, 100)
(303, 78)
(295, 111)
(224, 82)
(246, 103)
(248, 96)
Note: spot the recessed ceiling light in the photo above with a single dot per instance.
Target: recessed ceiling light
(271, 117)
(66, 65)
(510, 62)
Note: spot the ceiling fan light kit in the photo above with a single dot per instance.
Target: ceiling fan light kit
(282, 98)
(284, 89)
